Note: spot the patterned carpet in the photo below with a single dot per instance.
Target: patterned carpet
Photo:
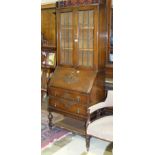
(49, 136)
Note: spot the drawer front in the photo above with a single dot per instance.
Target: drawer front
(55, 103)
(68, 105)
(72, 96)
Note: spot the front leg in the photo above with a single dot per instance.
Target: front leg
(88, 142)
(50, 117)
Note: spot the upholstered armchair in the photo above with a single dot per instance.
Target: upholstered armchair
(100, 120)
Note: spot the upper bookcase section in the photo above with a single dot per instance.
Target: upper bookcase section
(69, 3)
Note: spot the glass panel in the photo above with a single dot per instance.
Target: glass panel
(66, 40)
(86, 38)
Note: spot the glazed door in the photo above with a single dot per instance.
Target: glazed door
(86, 33)
(65, 41)
(77, 37)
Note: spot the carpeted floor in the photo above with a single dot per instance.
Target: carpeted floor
(62, 142)
(49, 136)
(75, 145)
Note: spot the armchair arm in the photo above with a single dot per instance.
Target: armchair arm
(102, 112)
(96, 107)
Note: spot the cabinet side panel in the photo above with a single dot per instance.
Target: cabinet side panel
(103, 32)
(98, 92)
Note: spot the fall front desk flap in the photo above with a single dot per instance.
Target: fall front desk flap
(73, 79)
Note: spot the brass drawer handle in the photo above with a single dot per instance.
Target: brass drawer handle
(55, 104)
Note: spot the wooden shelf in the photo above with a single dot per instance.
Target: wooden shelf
(67, 48)
(88, 39)
(73, 125)
(86, 49)
(48, 47)
(67, 28)
(81, 28)
(86, 28)
(47, 66)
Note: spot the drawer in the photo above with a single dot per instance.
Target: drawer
(68, 95)
(55, 103)
(67, 105)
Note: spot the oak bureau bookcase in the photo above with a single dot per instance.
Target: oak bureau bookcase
(78, 80)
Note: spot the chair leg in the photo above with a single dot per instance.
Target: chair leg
(87, 142)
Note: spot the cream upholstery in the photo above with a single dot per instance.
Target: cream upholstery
(108, 102)
(102, 128)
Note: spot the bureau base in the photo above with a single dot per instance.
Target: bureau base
(73, 125)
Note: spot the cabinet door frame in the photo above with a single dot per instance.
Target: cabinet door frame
(75, 35)
(110, 25)
(58, 12)
(95, 43)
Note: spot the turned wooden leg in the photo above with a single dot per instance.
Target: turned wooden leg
(50, 117)
(87, 142)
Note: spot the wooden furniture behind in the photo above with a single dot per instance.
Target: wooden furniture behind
(78, 80)
(48, 45)
(109, 63)
(48, 23)
(47, 68)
